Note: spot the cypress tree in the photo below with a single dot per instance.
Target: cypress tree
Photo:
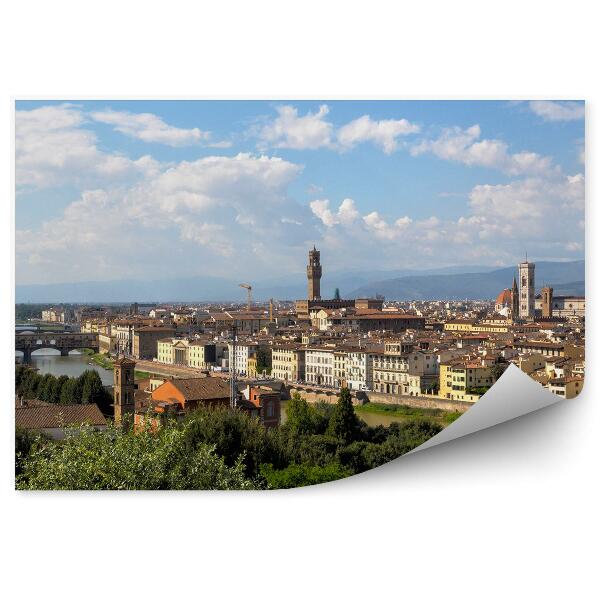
(343, 422)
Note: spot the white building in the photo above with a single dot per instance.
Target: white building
(239, 360)
(320, 366)
(405, 374)
(359, 370)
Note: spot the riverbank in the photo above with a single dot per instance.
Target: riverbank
(107, 362)
(100, 359)
(402, 411)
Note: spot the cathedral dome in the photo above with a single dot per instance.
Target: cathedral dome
(504, 298)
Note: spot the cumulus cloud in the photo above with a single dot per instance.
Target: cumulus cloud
(313, 131)
(150, 128)
(382, 229)
(196, 217)
(222, 214)
(558, 111)
(345, 214)
(52, 148)
(465, 146)
(537, 213)
(289, 130)
(382, 133)
(532, 201)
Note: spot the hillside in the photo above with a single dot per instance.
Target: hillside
(566, 278)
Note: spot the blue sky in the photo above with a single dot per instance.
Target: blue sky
(117, 189)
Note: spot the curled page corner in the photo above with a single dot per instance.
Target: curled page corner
(513, 395)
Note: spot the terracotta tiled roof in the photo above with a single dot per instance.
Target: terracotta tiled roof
(30, 403)
(504, 297)
(58, 415)
(387, 316)
(202, 388)
(124, 361)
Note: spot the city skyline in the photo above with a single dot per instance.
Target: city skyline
(107, 190)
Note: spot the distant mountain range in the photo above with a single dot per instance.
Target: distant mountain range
(567, 278)
(449, 282)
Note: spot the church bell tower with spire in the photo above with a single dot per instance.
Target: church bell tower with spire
(514, 304)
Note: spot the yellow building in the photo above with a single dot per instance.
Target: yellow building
(287, 363)
(459, 325)
(491, 328)
(464, 380)
(191, 353)
(201, 355)
(252, 360)
(567, 387)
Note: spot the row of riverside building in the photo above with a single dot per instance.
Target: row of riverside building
(453, 350)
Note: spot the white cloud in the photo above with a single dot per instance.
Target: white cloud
(382, 229)
(383, 133)
(530, 201)
(558, 111)
(464, 146)
(196, 217)
(150, 128)
(52, 148)
(289, 130)
(312, 131)
(346, 213)
(541, 214)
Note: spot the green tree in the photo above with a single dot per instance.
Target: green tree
(45, 387)
(56, 388)
(302, 475)
(302, 418)
(125, 460)
(70, 392)
(343, 423)
(263, 360)
(24, 442)
(235, 436)
(92, 390)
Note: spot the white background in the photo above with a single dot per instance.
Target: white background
(510, 512)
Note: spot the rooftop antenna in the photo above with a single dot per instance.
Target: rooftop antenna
(232, 379)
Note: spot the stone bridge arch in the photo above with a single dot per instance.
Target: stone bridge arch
(28, 343)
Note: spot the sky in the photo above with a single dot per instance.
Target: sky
(113, 190)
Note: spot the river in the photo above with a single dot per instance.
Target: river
(48, 360)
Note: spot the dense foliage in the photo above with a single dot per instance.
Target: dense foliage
(118, 459)
(318, 443)
(24, 312)
(85, 389)
(263, 361)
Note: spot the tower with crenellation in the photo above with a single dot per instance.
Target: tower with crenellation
(314, 272)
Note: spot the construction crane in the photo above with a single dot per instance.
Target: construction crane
(248, 288)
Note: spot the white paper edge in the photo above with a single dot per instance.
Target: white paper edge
(513, 395)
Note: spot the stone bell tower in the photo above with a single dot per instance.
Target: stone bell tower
(124, 388)
(314, 272)
(547, 294)
(527, 289)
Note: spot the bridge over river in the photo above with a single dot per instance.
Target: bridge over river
(28, 342)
